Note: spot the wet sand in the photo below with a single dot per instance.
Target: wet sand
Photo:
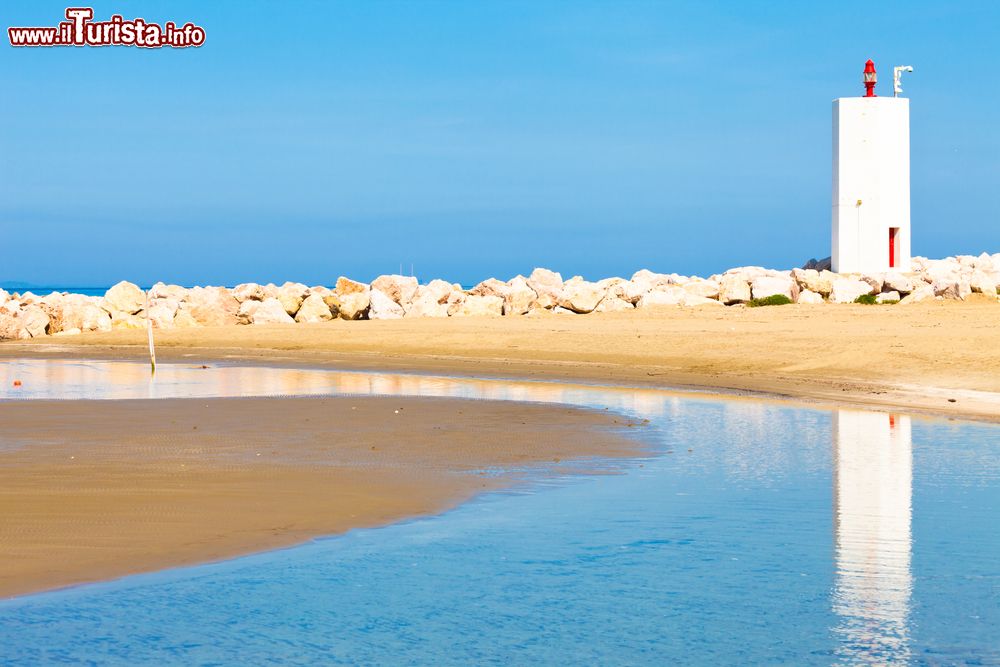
(93, 490)
(941, 358)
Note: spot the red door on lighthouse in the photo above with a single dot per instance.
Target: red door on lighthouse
(893, 233)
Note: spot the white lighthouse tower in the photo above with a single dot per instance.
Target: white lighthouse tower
(871, 180)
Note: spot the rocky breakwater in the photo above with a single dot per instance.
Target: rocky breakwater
(28, 315)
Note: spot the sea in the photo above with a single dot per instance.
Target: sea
(753, 532)
(42, 290)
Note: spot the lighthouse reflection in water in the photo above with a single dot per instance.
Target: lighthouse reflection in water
(873, 475)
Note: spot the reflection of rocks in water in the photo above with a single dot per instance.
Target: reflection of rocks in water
(873, 465)
(68, 379)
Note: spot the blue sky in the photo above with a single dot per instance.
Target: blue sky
(306, 140)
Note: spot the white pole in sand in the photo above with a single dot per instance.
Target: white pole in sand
(149, 335)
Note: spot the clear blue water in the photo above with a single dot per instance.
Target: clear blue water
(48, 289)
(756, 533)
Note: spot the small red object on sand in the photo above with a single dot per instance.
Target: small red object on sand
(17, 383)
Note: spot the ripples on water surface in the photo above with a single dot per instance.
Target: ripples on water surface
(758, 533)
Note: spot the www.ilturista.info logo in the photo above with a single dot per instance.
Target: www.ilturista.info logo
(81, 30)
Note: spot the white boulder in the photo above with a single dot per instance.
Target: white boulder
(874, 280)
(897, 282)
(708, 289)
(164, 291)
(455, 301)
(400, 289)
(291, 296)
(430, 300)
(666, 295)
(479, 306)
(184, 320)
(162, 314)
(642, 282)
(75, 311)
(985, 262)
(313, 309)
(211, 306)
(426, 304)
(581, 296)
(490, 287)
(734, 288)
(124, 297)
(819, 281)
(922, 292)
(87, 316)
(34, 321)
(613, 304)
(439, 290)
(695, 300)
(809, 297)
(847, 290)
(120, 320)
(983, 282)
(320, 290)
(764, 286)
(383, 306)
(352, 299)
(888, 297)
(271, 311)
(952, 288)
(249, 292)
(246, 311)
(10, 325)
(547, 285)
(519, 297)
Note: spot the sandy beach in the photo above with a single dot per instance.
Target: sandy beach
(93, 490)
(936, 357)
(99, 489)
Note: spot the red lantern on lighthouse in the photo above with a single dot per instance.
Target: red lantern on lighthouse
(870, 78)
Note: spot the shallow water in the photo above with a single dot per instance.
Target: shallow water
(758, 533)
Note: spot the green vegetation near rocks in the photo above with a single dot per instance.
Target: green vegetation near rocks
(773, 300)
(872, 300)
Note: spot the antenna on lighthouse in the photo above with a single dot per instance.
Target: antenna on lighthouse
(897, 78)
